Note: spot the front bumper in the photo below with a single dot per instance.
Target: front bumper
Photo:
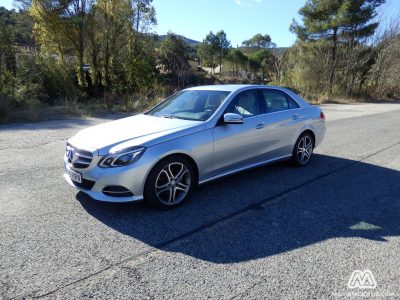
(131, 178)
(100, 196)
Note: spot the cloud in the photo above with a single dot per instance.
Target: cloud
(247, 3)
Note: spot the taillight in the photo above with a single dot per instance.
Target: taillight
(321, 115)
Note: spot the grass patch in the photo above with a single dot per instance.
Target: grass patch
(35, 111)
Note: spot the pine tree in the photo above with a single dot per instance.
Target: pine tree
(338, 21)
(223, 45)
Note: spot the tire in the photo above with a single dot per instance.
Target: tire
(303, 150)
(170, 183)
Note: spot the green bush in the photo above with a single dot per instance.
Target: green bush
(4, 108)
(58, 80)
(43, 79)
(29, 83)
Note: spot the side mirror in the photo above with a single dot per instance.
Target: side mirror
(230, 118)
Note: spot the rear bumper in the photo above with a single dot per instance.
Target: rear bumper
(319, 131)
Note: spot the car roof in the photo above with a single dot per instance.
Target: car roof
(230, 87)
(238, 87)
(221, 87)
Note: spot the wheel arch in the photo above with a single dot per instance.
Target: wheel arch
(307, 129)
(310, 132)
(181, 154)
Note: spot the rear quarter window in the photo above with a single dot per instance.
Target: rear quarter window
(278, 101)
(292, 104)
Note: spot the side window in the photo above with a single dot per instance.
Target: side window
(292, 104)
(246, 104)
(278, 101)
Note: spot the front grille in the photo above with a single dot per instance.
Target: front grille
(117, 191)
(85, 184)
(79, 158)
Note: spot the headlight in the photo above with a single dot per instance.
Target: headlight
(122, 158)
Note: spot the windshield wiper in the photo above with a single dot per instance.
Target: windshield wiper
(177, 117)
(167, 116)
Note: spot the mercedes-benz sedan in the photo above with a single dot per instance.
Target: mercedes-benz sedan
(195, 136)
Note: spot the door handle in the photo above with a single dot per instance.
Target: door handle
(260, 125)
(295, 117)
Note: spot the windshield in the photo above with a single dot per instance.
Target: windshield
(190, 105)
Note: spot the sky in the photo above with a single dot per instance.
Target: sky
(240, 19)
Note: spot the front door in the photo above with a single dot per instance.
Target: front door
(237, 145)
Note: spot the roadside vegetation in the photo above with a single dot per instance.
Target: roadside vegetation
(84, 56)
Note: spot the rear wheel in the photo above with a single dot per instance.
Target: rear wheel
(169, 183)
(303, 150)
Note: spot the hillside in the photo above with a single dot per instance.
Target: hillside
(277, 51)
(187, 40)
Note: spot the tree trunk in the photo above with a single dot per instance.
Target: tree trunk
(333, 63)
(263, 74)
(80, 58)
(107, 68)
(94, 68)
(107, 55)
(1, 71)
(349, 89)
(138, 16)
(220, 63)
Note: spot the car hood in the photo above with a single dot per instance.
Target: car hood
(138, 129)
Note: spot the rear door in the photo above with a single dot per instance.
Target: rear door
(284, 119)
(237, 145)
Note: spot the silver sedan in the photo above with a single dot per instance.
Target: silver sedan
(195, 136)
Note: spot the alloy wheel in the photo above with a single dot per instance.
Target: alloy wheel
(304, 149)
(173, 183)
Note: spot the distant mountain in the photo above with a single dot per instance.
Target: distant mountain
(187, 40)
(277, 51)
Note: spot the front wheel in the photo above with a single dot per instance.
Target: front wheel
(303, 150)
(169, 183)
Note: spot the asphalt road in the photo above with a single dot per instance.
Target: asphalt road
(273, 232)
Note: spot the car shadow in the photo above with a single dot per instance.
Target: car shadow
(267, 211)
